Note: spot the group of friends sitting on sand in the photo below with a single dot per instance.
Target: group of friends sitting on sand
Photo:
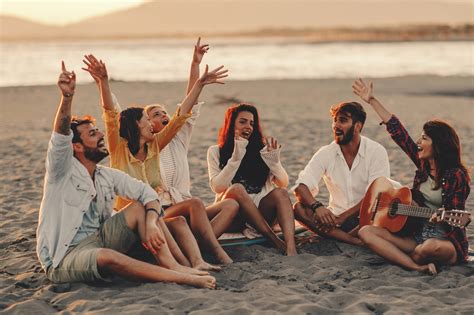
(92, 216)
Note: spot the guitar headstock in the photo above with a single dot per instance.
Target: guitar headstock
(456, 218)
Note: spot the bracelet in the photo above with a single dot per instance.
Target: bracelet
(68, 94)
(154, 210)
(316, 205)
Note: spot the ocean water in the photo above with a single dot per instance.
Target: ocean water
(38, 63)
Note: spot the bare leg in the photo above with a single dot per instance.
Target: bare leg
(305, 216)
(222, 214)
(114, 262)
(196, 212)
(434, 250)
(278, 201)
(173, 246)
(135, 218)
(183, 235)
(393, 248)
(251, 213)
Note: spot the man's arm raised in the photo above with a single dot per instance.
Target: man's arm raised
(67, 85)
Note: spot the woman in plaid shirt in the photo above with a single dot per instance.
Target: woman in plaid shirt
(441, 181)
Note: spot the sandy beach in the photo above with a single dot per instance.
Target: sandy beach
(327, 277)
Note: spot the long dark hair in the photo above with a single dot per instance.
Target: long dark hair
(129, 130)
(446, 148)
(252, 168)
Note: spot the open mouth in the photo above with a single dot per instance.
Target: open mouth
(246, 134)
(338, 133)
(101, 143)
(165, 122)
(419, 148)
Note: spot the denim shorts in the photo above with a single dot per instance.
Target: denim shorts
(430, 230)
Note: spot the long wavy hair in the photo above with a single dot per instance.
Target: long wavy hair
(252, 168)
(446, 149)
(129, 130)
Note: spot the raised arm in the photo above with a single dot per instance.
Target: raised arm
(67, 85)
(366, 93)
(199, 51)
(98, 71)
(213, 77)
(397, 131)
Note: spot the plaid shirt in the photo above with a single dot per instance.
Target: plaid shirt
(454, 185)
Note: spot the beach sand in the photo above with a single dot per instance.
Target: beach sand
(327, 277)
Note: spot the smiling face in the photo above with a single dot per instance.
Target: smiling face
(145, 128)
(343, 128)
(92, 143)
(425, 146)
(244, 124)
(158, 118)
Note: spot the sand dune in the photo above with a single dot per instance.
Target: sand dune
(327, 277)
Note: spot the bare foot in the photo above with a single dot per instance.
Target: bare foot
(429, 268)
(222, 257)
(207, 282)
(189, 270)
(202, 265)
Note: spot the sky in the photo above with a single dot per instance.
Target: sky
(61, 12)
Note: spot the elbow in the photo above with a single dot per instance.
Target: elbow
(216, 188)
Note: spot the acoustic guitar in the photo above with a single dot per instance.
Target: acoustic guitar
(388, 207)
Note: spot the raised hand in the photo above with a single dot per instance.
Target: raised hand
(271, 144)
(199, 51)
(364, 91)
(96, 68)
(66, 81)
(214, 76)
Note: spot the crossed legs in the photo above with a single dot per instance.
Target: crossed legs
(404, 251)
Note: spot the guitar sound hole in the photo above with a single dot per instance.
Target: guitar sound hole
(393, 208)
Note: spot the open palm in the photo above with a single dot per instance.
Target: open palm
(364, 91)
(213, 76)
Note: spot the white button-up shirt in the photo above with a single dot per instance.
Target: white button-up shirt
(68, 192)
(346, 186)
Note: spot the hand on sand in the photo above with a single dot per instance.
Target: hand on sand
(199, 51)
(66, 81)
(213, 76)
(96, 68)
(364, 91)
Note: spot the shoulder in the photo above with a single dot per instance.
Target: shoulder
(326, 151)
(456, 174)
(372, 146)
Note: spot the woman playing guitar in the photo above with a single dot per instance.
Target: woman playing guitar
(441, 180)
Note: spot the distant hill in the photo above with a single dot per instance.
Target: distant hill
(220, 17)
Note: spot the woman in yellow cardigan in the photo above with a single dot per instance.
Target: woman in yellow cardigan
(134, 148)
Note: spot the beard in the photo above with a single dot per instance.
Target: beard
(347, 137)
(95, 154)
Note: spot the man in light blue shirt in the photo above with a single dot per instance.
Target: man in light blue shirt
(78, 238)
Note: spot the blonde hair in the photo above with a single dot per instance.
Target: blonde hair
(148, 108)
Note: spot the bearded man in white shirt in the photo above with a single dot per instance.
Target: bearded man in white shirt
(348, 166)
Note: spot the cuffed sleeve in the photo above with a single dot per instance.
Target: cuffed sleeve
(59, 156)
(221, 179)
(133, 189)
(272, 159)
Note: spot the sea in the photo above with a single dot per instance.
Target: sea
(38, 63)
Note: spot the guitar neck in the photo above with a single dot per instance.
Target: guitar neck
(412, 211)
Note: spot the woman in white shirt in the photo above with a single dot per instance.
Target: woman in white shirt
(245, 167)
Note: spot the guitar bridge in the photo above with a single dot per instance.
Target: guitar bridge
(374, 207)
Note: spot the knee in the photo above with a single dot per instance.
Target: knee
(176, 221)
(429, 248)
(280, 193)
(107, 257)
(236, 191)
(298, 210)
(196, 204)
(230, 206)
(366, 233)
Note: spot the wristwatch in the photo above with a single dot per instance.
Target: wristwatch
(316, 205)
